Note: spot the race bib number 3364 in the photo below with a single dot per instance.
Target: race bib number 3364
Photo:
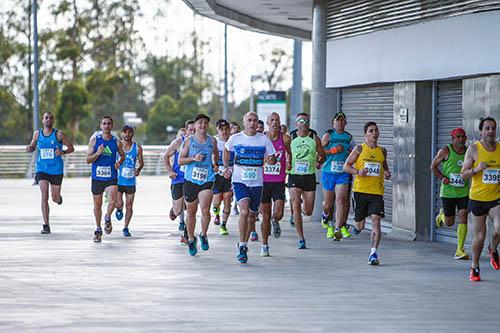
(103, 171)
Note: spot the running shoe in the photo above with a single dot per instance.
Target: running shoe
(108, 227)
(345, 232)
(182, 226)
(440, 219)
(171, 214)
(45, 229)
(493, 258)
(217, 220)
(223, 230)
(373, 259)
(254, 236)
(324, 223)
(204, 242)
(192, 247)
(97, 235)
(276, 229)
(337, 235)
(242, 254)
(184, 240)
(264, 251)
(126, 232)
(474, 275)
(302, 244)
(292, 223)
(356, 231)
(329, 232)
(461, 255)
(119, 214)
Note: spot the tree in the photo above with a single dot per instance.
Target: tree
(278, 64)
(73, 107)
(160, 116)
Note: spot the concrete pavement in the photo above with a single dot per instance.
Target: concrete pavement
(63, 282)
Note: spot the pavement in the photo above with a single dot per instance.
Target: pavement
(63, 282)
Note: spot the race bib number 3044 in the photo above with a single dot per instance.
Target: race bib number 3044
(103, 171)
(491, 176)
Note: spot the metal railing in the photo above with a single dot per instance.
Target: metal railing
(16, 163)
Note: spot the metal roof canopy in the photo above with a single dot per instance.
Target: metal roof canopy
(286, 18)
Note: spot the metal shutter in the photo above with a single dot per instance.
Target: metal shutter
(448, 116)
(373, 103)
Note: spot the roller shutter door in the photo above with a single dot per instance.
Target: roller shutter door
(373, 103)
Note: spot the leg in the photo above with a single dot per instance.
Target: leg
(342, 204)
(307, 208)
(376, 232)
(119, 200)
(205, 198)
(55, 191)
(44, 191)
(279, 207)
(244, 210)
(217, 199)
(265, 225)
(495, 216)
(251, 223)
(479, 236)
(449, 220)
(295, 198)
(192, 208)
(328, 199)
(98, 209)
(227, 198)
(462, 229)
(129, 198)
(111, 191)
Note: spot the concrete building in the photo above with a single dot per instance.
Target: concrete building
(417, 68)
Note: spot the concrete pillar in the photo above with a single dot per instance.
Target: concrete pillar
(323, 100)
(297, 104)
(412, 157)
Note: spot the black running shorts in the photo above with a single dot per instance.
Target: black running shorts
(52, 179)
(367, 204)
(191, 190)
(450, 205)
(480, 208)
(273, 191)
(98, 186)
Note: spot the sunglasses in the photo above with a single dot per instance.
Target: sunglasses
(303, 121)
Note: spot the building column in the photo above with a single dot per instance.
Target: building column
(412, 157)
(323, 100)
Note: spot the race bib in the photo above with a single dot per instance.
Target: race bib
(103, 171)
(373, 169)
(337, 166)
(128, 172)
(491, 176)
(302, 168)
(47, 153)
(249, 173)
(199, 174)
(456, 180)
(272, 170)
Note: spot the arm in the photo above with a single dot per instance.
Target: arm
(183, 155)
(332, 151)
(172, 148)
(91, 156)
(62, 138)
(470, 156)
(32, 146)
(325, 139)
(440, 157)
(353, 157)
(320, 151)
(215, 156)
(121, 153)
(140, 160)
(387, 172)
(287, 141)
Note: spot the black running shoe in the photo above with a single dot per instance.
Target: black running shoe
(45, 229)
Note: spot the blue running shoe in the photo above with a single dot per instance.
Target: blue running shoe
(126, 232)
(302, 244)
(373, 259)
(242, 254)
(204, 242)
(356, 231)
(119, 214)
(182, 226)
(192, 247)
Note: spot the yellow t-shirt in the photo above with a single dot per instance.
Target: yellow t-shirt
(485, 185)
(373, 160)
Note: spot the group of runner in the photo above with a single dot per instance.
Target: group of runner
(256, 168)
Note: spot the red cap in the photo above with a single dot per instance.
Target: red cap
(457, 131)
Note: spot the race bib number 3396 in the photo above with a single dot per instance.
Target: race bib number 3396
(491, 176)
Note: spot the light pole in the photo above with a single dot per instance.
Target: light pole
(35, 66)
(224, 110)
(253, 78)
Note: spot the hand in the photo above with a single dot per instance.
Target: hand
(198, 157)
(100, 149)
(216, 168)
(227, 173)
(318, 165)
(288, 166)
(117, 165)
(172, 175)
(445, 180)
(339, 148)
(59, 152)
(362, 172)
(137, 172)
(387, 174)
(29, 149)
(271, 159)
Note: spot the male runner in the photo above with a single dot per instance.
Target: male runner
(48, 142)
(174, 170)
(199, 154)
(260, 126)
(251, 151)
(482, 165)
(274, 183)
(454, 191)
(307, 156)
(369, 163)
(338, 144)
(126, 177)
(102, 153)
(223, 189)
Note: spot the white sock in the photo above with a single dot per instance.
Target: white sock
(243, 244)
(373, 250)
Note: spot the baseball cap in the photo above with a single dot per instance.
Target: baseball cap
(339, 115)
(202, 116)
(456, 131)
(127, 127)
(221, 123)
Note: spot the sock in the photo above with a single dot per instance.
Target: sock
(243, 244)
(325, 216)
(98, 229)
(223, 224)
(107, 218)
(216, 210)
(461, 235)
(373, 250)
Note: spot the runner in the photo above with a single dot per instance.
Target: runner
(252, 150)
(482, 165)
(199, 154)
(48, 142)
(126, 177)
(454, 191)
(274, 183)
(174, 170)
(260, 126)
(102, 153)
(307, 156)
(369, 163)
(223, 190)
(338, 144)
